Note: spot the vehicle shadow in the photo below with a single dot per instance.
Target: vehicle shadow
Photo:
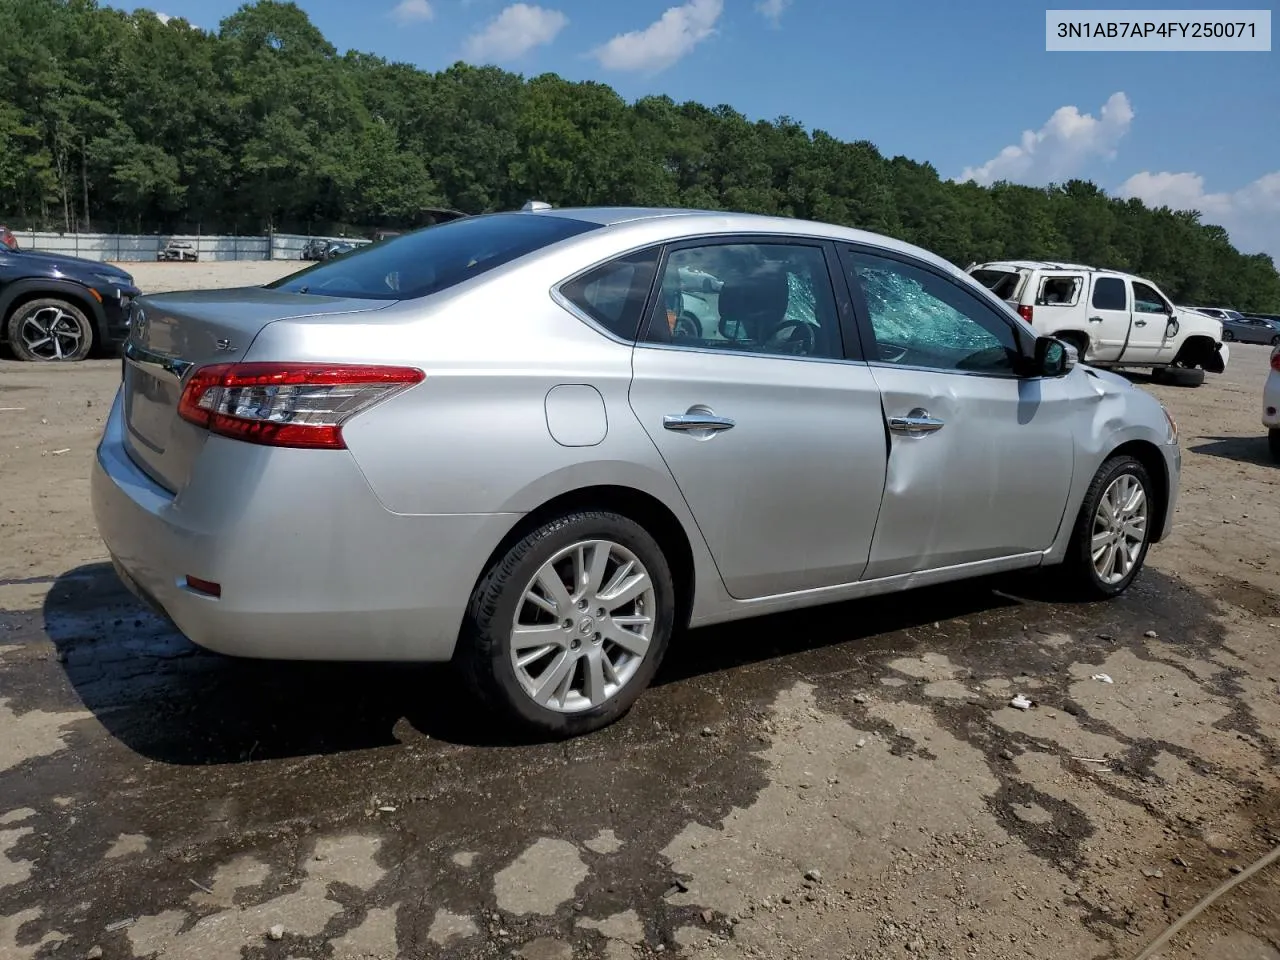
(1241, 449)
(172, 702)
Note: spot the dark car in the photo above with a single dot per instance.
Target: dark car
(314, 249)
(1251, 330)
(336, 249)
(60, 308)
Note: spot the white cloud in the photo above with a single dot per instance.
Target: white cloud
(664, 41)
(163, 17)
(412, 11)
(515, 31)
(1251, 215)
(1061, 149)
(772, 10)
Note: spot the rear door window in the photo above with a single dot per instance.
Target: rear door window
(760, 298)
(1109, 294)
(433, 259)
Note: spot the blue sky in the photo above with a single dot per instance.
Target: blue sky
(948, 83)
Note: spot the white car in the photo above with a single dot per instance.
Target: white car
(1271, 405)
(1112, 319)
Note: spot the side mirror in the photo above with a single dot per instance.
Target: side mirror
(1053, 358)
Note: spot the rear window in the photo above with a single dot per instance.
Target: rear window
(433, 259)
(1003, 283)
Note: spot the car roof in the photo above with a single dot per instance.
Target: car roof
(1040, 265)
(1056, 265)
(688, 223)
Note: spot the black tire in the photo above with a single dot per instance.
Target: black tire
(72, 342)
(1228, 335)
(1273, 441)
(1275, 341)
(1078, 563)
(484, 644)
(1178, 376)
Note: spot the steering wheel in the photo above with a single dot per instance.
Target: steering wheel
(801, 341)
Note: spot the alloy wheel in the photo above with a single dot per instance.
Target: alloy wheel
(583, 626)
(1119, 529)
(51, 333)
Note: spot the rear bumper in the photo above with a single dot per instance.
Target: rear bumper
(1271, 402)
(311, 565)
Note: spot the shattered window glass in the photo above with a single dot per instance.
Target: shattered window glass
(1059, 291)
(922, 320)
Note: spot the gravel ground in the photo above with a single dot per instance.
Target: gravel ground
(155, 277)
(846, 782)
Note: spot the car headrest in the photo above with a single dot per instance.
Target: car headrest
(757, 301)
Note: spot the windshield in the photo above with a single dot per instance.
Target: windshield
(432, 259)
(1232, 315)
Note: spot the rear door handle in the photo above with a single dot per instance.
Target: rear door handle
(1095, 319)
(1139, 323)
(696, 421)
(915, 423)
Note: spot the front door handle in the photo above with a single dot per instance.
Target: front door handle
(696, 421)
(1095, 319)
(916, 423)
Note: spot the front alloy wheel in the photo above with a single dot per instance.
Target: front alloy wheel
(568, 626)
(1119, 529)
(49, 331)
(1113, 529)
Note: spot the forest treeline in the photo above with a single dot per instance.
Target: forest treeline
(122, 122)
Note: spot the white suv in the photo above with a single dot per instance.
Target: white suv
(1112, 319)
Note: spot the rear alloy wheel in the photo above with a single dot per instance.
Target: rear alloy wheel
(1275, 341)
(49, 331)
(1228, 335)
(1113, 530)
(567, 629)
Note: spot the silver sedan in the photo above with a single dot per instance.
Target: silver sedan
(540, 444)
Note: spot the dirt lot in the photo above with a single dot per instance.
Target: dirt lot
(162, 277)
(157, 800)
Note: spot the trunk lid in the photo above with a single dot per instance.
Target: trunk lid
(170, 335)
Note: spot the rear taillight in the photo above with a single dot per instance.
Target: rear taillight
(1025, 311)
(288, 404)
(1275, 359)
